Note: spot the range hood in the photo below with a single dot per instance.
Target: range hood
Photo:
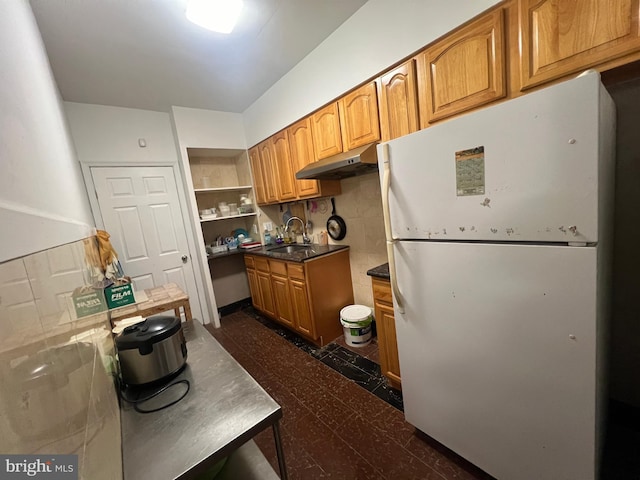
(348, 164)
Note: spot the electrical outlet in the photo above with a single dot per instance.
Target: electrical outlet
(268, 226)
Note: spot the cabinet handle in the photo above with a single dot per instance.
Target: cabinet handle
(386, 188)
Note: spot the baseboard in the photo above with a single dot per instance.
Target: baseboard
(234, 307)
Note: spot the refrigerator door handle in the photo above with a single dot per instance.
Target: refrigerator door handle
(386, 188)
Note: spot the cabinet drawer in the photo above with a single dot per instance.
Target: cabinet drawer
(262, 264)
(382, 291)
(278, 268)
(296, 271)
(249, 262)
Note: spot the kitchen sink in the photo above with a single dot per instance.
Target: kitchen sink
(290, 248)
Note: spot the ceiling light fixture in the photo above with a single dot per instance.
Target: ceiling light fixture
(216, 15)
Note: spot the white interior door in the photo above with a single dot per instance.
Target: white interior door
(141, 211)
(497, 352)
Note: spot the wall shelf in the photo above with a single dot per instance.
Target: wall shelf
(229, 216)
(223, 189)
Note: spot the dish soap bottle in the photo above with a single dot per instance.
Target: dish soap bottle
(267, 237)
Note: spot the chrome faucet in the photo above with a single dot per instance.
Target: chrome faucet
(305, 238)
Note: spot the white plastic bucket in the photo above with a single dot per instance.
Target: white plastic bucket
(356, 323)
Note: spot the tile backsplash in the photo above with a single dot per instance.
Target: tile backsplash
(360, 205)
(58, 394)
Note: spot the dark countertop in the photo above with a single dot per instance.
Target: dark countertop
(224, 409)
(305, 252)
(381, 271)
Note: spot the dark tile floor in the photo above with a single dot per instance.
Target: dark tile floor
(331, 426)
(340, 420)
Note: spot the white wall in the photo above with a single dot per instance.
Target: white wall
(377, 36)
(198, 128)
(43, 202)
(104, 134)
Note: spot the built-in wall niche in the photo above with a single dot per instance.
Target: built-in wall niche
(217, 168)
(222, 176)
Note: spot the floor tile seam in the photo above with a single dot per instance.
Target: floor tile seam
(352, 364)
(337, 397)
(341, 377)
(302, 404)
(286, 436)
(286, 343)
(244, 350)
(283, 340)
(357, 384)
(383, 434)
(356, 453)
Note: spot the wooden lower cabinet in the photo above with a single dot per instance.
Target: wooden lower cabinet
(302, 310)
(305, 297)
(386, 327)
(268, 302)
(254, 288)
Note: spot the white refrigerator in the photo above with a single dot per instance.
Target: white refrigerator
(499, 236)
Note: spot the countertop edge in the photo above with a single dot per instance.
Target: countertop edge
(320, 251)
(381, 271)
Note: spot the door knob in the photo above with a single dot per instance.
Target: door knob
(185, 258)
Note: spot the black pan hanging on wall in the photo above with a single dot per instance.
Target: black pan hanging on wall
(335, 224)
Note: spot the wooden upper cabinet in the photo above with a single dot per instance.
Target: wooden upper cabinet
(560, 37)
(285, 181)
(398, 101)
(325, 126)
(258, 178)
(359, 119)
(464, 70)
(268, 171)
(302, 154)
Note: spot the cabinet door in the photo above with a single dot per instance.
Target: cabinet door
(301, 308)
(397, 94)
(325, 126)
(359, 117)
(264, 284)
(285, 182)
(302, 154)
(256, 297)
(560, 37)
(464, 70)
(281, 294)
(258, 179)
(388, 343)
(268, 172)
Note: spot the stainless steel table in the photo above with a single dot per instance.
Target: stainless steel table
(224, 409)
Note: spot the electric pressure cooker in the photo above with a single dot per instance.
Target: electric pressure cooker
(151, 350)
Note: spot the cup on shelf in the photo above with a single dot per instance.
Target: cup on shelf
(233, 209)
(225, 211)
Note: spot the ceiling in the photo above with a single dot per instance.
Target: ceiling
(145, 54)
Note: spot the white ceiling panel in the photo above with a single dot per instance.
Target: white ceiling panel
(145, 54)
